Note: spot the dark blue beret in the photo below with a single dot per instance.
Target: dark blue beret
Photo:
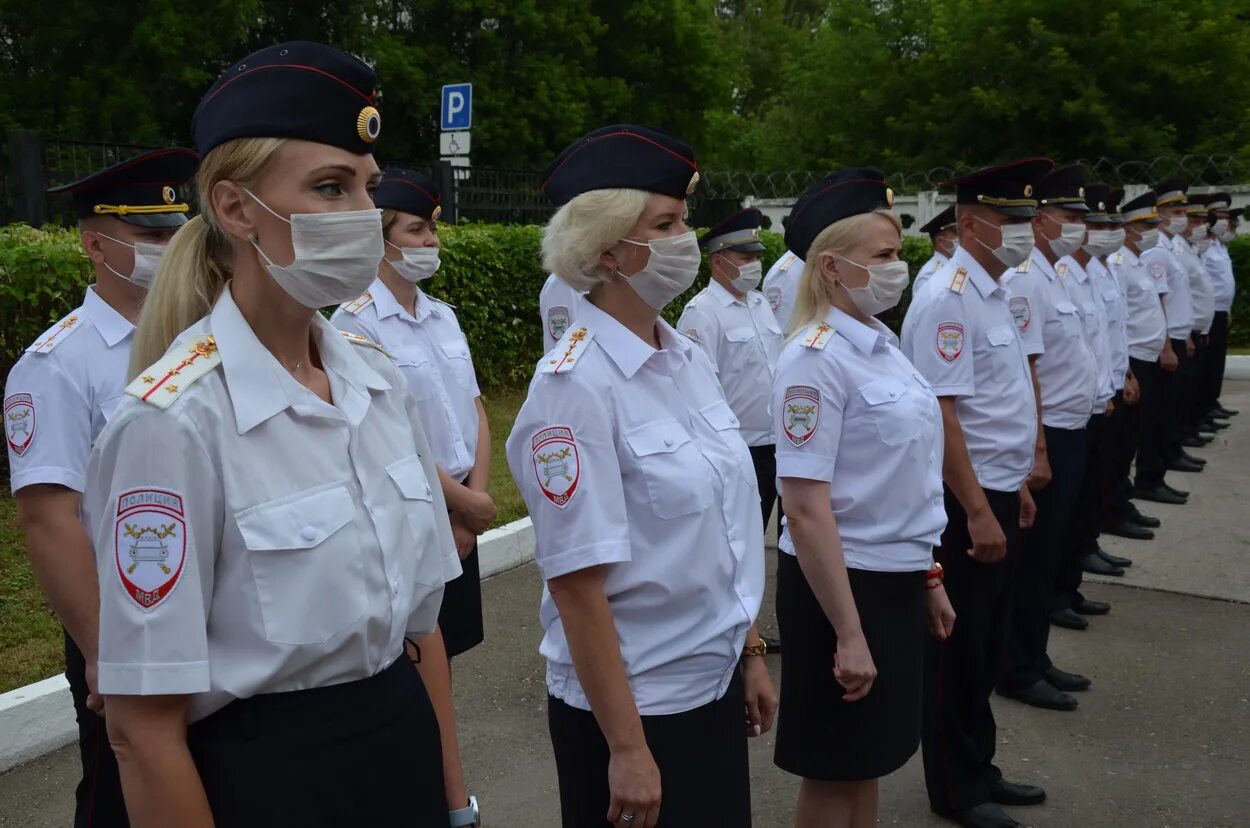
(409, 192)
(841, 194)
(1007, 188)
(622, 156)
(739, 231)
(292, 90)
(1063, 187)
(142, 190)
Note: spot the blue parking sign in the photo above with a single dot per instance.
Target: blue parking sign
(457, 109)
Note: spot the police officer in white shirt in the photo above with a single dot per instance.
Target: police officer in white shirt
(967, 346)
(265, 515)
(1189, 247)
(781, 287)
(645, 509)
(1219, 265)
(557, 305)
(734, 325)
(945, 238)
(862, 458)
(1067, 375)
(59, 397)
(432, 353)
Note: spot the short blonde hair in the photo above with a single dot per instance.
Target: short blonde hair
(584, 228)
(815, 292)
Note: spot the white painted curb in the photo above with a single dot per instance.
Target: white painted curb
(1237, 368)
(39, 718)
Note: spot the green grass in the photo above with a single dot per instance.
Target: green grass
(31, 646)
(1239, 351)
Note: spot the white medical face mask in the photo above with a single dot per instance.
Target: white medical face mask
(1219, 228)
(1149, 239)
(1017, 244)
(748, 278)
(886, 283)
(147, 261)
(670, 271)
(1203, 246)
(418, 263)
(1104, 242)
(336, 255)
(1070, 237)
(1228, 235)
(1198, 233)
(1177, 224)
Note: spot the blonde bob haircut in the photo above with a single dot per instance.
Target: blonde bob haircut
(816, 293)
(584, 228)
(197, 264)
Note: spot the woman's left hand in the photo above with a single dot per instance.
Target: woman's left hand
(939, 614)
(760, 695)
(463, 536)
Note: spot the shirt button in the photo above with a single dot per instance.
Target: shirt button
(309, 533)
(668, 442)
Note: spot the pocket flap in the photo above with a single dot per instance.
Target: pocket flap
(662, 437)
(411, 356)
(882, 391)
(409, 476)
(298, 521)
(719, 416)
(1110, 294)
(456, 349)
(1001, 336)
(740, 334)
(1065, 307)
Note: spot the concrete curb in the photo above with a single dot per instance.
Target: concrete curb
(1237, 368)
(39, 718)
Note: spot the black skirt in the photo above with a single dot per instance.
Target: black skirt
(460, 616)
(362, 753)
(819, 736)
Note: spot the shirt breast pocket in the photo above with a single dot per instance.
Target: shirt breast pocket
(418, 504)
(672, 467)
(1005, 354)
(419, 372)
(1069, 319)
(722, 420)
(737, 337)
(893, 410)
(307, 567)
(456, 352)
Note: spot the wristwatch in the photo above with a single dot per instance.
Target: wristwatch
(466, 816)
(758, 649)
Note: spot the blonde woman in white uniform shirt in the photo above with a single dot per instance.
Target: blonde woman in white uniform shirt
(644, 506)
(433, 355)
(860, 464)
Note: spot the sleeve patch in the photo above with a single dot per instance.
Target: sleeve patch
(950, 341)
(557, 322)
(557, 465)
(801, 415)
(773, 295)
(149, 544)
(19, 422)
(692, 333)
(1157, 270)
(1021, 312)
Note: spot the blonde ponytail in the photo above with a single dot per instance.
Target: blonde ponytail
(815, 291)
(197, 263)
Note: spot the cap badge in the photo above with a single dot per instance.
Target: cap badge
(889, 197)
(1080, 192)
(1028, 190)
(694, 182)
(369, 124)
(168, 194)
(1102, 205)
(438, 211)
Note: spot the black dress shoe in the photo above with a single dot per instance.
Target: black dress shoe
(1060, 680)
(1144, 521)
(1041, 694)
(1183, 465)
(1114, 560)
(1068, 619)
(1161, 493)
(985, 815)
(1128, 529)
(1014, 793)
(1095, 565)
(1088, 607)
(1214, 424)
(1189, 458)
(1194, 442)
(1227, 412)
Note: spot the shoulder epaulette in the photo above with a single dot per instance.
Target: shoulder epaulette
(816, 336)
(55, 335)
(358, 304)
(938, 266)
(168, 377)
(959, 281)
(1025, 265)
(357, 339)
(1119, 257)
(1062, 270)
(787, 259)
(567, 352)
(438, 301)
(694, 300)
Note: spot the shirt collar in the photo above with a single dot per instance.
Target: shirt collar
(1074, 267)
(722, 293)
(865, 338)
(112, 325)
(1131, 257)
(983, 281)
(1041, 263)
(624, 347)
(260, 387)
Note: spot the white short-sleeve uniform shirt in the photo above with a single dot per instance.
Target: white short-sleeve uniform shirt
(936, 262)
(1178, 303)
(557, 305)
(967, 346)
(62, 392)
(781, 287)
(1051, 327)
(1199, 285)
(1088, 297)
(1219, 265)
(742, 339)
(252, 538)
(1116, 309)
(1146, 326)
(854, 413)
(433, 355)
(630, 458)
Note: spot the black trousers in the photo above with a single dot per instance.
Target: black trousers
(98, 801)
(701, 754)
(1183, 390)
(361, 753)
(1120, 443)
(1152, 423)
(1195, 404)
(1217, 356)
(958, 729)
(1083, 529)
(764, 458)
(1041, 550)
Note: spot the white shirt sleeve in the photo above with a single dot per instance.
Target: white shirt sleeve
(810, 386)
(1029, 310)
(54, 440)
(942, 346)
(703, 330)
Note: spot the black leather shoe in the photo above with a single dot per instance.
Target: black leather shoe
(1095, 565)
(1160, 494)
(1068, 619)
(1226, 412)
(1014, 793)
(1144, 521)
(1068, 683)
(1175, 491)
(1195, 442)
(1042, 695)
(1127, 529)
(1088, 607)
(1114, 560)
(985, 815)
(1214, 424)
(1183, 465)
(1189, 458)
